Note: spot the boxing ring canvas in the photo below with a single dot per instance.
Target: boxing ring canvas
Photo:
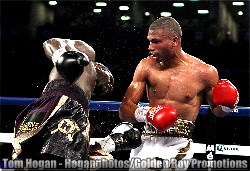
(233, 149)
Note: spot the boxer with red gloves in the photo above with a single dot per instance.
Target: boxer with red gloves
(226, 95)
(175, 84)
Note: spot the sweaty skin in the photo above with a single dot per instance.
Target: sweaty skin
(170, 77)
(89, 71)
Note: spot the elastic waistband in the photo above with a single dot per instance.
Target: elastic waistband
(181, 128)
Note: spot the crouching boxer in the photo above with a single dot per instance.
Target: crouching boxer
(56, 126)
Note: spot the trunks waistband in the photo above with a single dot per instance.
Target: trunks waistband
(181, 128)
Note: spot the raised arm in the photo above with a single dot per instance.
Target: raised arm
(84, 47)
(57, 46)
(51, 45)
(69, 57)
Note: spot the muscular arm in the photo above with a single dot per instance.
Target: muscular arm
(212, 78)
(134, 93)
(84, 47)
(55, 47)
(53, 44)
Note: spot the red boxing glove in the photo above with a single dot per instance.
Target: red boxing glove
(162, 117)
(225, 94)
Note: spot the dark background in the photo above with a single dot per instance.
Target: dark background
(220, 39)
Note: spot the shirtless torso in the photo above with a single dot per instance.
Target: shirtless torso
(170, 77)
(182, 87)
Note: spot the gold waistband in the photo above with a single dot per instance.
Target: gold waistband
(181, 128)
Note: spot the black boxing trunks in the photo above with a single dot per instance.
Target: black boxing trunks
(56, 124)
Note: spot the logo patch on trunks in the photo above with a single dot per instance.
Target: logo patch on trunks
(67, 126)
(31, 122)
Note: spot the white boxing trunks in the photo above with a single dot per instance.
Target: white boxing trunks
(169, 150)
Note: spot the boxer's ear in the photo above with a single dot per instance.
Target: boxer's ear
(175, 40)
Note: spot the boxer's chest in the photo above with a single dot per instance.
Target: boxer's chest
(179, 85)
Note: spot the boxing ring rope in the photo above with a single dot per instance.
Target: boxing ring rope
(240, 111)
